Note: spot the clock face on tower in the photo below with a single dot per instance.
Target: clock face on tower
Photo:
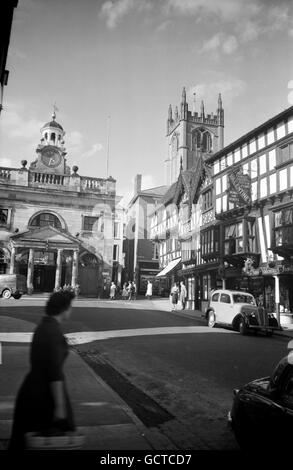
(50, 157)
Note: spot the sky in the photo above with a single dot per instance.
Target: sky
(113, 67)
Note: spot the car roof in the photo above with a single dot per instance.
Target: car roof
(227, 291)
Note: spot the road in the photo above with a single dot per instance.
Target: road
(178, 379)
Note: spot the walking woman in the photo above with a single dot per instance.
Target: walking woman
(42, 402)
(174, 295)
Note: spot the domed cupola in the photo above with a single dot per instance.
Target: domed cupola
(53, 133)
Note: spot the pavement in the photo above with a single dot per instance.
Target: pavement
(100, 414)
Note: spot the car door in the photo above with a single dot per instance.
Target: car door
(225, 308)
(258, 418)
(285, 418)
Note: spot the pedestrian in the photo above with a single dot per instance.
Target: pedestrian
(131, 291)
(174, 295)
(134, 291)
(113, 291)
(149, 291)
(124, 291)
(42, 403)
(183, 295)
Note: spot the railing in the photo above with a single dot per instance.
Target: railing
(5, 173)
(93, 184)
(47, 178)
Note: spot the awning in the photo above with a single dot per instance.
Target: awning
(169, 268)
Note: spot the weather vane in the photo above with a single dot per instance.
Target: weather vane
(54, 110)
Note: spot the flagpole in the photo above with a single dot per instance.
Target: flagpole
(108, 145)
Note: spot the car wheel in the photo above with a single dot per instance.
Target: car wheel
(269, 333)
(211, 319)
(242, 328)
(6, 294)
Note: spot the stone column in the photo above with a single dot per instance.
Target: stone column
(74, 269)
(30, 272)
(12, 260)
(58, 269)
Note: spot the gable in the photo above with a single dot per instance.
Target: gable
(45, 234)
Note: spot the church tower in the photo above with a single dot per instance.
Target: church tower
(190, 133)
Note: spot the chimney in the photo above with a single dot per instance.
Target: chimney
(137, 184)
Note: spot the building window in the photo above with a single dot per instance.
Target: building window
(207, 200)
(233, 238)
(88, 223)
(116, 229)
(285, 153)
(281, 132)
(46, 219)
(115, 252)
(156, 248)
(3, 217)
(271, 136)
(284, 227)
(272, 159)
(209, 242)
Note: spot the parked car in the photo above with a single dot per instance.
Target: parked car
(12, 285)
(239, 310)
(262, 411)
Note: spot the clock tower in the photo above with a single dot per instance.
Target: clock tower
(51, 151)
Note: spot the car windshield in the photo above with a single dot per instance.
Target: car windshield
(243, 299)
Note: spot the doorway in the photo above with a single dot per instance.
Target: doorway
(44, 278)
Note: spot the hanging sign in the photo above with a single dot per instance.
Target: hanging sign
(239, 189)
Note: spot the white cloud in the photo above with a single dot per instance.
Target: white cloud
(229, 89)
(93, 150)
(6, 162)
(220, 42)
(113, 11)
(230, 45)
(224, 9)
(18, 124)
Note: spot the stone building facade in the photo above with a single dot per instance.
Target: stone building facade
(56, 226)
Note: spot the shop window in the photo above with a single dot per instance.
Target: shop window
(46, 219)
(206, 286)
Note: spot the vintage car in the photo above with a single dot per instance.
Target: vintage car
(238, 310)
(262, 411)
(12, 285)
